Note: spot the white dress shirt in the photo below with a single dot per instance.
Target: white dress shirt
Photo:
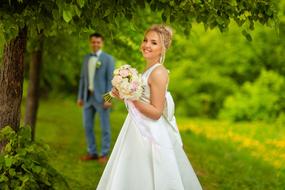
(92, 62)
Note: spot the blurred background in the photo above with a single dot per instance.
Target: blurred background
(229, 93)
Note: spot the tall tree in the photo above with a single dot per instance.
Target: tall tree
(11, 80)
(32, 101)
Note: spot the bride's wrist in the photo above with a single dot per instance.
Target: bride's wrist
(135, 102)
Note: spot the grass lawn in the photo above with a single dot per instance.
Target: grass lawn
(224, 155)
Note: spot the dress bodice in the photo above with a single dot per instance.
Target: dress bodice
(146, 88)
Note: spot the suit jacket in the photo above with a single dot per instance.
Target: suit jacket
(102, 78)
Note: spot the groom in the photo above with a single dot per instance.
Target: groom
(95, 80)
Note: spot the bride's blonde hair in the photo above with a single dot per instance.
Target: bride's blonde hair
(165, 33)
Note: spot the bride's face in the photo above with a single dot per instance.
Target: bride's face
(151, 46)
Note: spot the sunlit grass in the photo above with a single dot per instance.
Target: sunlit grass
(224, 155)
(265, 142)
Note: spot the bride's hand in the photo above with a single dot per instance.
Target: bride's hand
(116, 93)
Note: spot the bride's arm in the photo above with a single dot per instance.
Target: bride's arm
(158, 84)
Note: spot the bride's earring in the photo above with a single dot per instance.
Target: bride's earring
(160, 59)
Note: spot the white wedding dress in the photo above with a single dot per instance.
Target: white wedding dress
(148, 154)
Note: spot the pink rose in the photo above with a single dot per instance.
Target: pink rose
(124, 72)
(134, 86)
(116, 80)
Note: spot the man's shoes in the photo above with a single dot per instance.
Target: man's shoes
(103, 159)
(89, 157)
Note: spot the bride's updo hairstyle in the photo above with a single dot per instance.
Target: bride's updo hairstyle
(165, 34)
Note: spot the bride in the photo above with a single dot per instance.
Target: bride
(148, 153)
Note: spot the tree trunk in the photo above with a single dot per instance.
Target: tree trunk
(11, 80)
(34, 86)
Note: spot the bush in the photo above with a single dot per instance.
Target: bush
(260, 100)
(24, 163)
(199, 93)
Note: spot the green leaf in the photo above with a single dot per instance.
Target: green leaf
(81, 3)
(67, 15)
(247, 13)
(233, 2)
(8, 147)
(75, 10)
(3, 178)
(220, 20)
(36, 169)
(107, 12)
(163, 17)
(12, 172)
(247, 35)
(8, 161)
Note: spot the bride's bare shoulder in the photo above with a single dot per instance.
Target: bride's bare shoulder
(159, 74)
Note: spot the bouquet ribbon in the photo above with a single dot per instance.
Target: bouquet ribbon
(150, 131)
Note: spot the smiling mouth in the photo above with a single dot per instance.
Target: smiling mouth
(146, 51)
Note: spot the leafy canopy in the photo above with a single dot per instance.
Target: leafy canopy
(69, 15)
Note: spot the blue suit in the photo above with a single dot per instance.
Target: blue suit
(94, 102)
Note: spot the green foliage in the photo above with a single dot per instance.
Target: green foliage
(208, 66)
(66, 15)
(24, 163)
(262, 99)
(62, 62)
(202, 91)
(205, 67)
(202, 75)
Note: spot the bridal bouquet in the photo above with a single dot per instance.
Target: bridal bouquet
(128, 82)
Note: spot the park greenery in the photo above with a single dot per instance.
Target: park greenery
(22, 20)
(224, 82)
(24, 163)
(227, 77)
